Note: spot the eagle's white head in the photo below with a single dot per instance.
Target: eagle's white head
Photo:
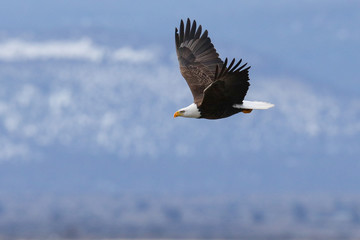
(190, 111)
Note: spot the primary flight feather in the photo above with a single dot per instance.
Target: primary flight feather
(218, 88)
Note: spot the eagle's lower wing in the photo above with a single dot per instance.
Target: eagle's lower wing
(197, 58)
(230, 86)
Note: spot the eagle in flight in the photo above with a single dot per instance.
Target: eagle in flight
(218, 88)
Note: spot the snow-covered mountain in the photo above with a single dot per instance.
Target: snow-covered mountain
(61, 97)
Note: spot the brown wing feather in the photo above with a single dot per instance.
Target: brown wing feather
(197, 57)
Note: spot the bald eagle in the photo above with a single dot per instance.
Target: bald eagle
(218, 89)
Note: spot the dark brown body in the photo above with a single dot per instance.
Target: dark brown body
(219, 111)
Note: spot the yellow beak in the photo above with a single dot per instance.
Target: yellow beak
(177, 114)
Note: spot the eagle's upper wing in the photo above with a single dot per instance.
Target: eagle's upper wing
(197, 57)
(230, 86)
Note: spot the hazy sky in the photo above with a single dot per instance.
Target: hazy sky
(95, 84)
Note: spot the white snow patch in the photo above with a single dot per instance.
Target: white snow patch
(59, 100)
(11, 150)
(12, 122)
(128, 54)
(21, 50)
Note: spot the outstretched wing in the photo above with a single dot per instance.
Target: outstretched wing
(230, 86)
(197, 57)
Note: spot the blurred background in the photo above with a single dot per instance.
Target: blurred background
(89, 147)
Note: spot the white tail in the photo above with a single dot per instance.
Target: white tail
(254, 105)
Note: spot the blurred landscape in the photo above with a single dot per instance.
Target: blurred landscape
(169, 217)
(89, 148)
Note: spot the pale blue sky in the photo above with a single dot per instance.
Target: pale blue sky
(95, 83)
